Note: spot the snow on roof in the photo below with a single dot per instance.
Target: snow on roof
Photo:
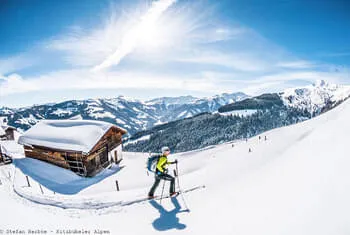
(76, 135)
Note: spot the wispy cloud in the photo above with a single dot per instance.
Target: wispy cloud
(273, 82)
(206, 82)
(310, 76)
(162, 28)
(71, 79)
(300, 64)
(15, 63)
(137, 34)
(14, 83)
(238, 61)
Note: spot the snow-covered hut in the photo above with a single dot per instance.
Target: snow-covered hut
(83, 146)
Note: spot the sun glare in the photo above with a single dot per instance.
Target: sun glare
(144, 34)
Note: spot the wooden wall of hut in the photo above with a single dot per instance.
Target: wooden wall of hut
(96, 161)
(10, 134)
(85, 165)
(98, 157)
(111, 140)
(65, 159)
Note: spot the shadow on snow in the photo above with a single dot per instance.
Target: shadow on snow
(58, 179)
(168, 219)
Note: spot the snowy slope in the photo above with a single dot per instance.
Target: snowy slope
(295, 182)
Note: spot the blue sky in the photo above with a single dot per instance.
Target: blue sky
(56, 50)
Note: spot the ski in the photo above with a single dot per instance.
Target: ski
(178, 193)
(158, 197)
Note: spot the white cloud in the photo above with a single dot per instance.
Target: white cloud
(209, 82)
(299, 64)
(217, 33)
(14, 83)
(14, 63)
(277, 82)
(71, 79)
(310, 76)
(236, 61)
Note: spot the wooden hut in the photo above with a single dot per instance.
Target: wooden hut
(4, 158)
(83, 146)
(7, 132)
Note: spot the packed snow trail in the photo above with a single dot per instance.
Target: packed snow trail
(295, 182)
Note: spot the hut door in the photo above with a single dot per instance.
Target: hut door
(103, 157)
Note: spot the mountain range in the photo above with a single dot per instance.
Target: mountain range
(241, 119)
(133, 115)
(186, 122)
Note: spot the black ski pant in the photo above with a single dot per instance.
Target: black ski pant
(160, 177)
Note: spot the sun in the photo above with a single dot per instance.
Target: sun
(144, 34)
(151, 28)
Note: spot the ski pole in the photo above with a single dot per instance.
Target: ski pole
(161, 196)
(178, 185)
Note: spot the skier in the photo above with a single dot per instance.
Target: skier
(162, 173)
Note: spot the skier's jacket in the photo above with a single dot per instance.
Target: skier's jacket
(162, 165)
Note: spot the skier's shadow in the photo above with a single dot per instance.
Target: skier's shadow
(167, 219)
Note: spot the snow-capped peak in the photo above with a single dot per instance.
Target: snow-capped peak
(315, 97)
(321, 83)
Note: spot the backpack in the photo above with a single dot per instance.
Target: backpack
(152, 162)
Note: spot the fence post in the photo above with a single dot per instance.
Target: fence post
(28, 180)
(117, 184)
(42, 192)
